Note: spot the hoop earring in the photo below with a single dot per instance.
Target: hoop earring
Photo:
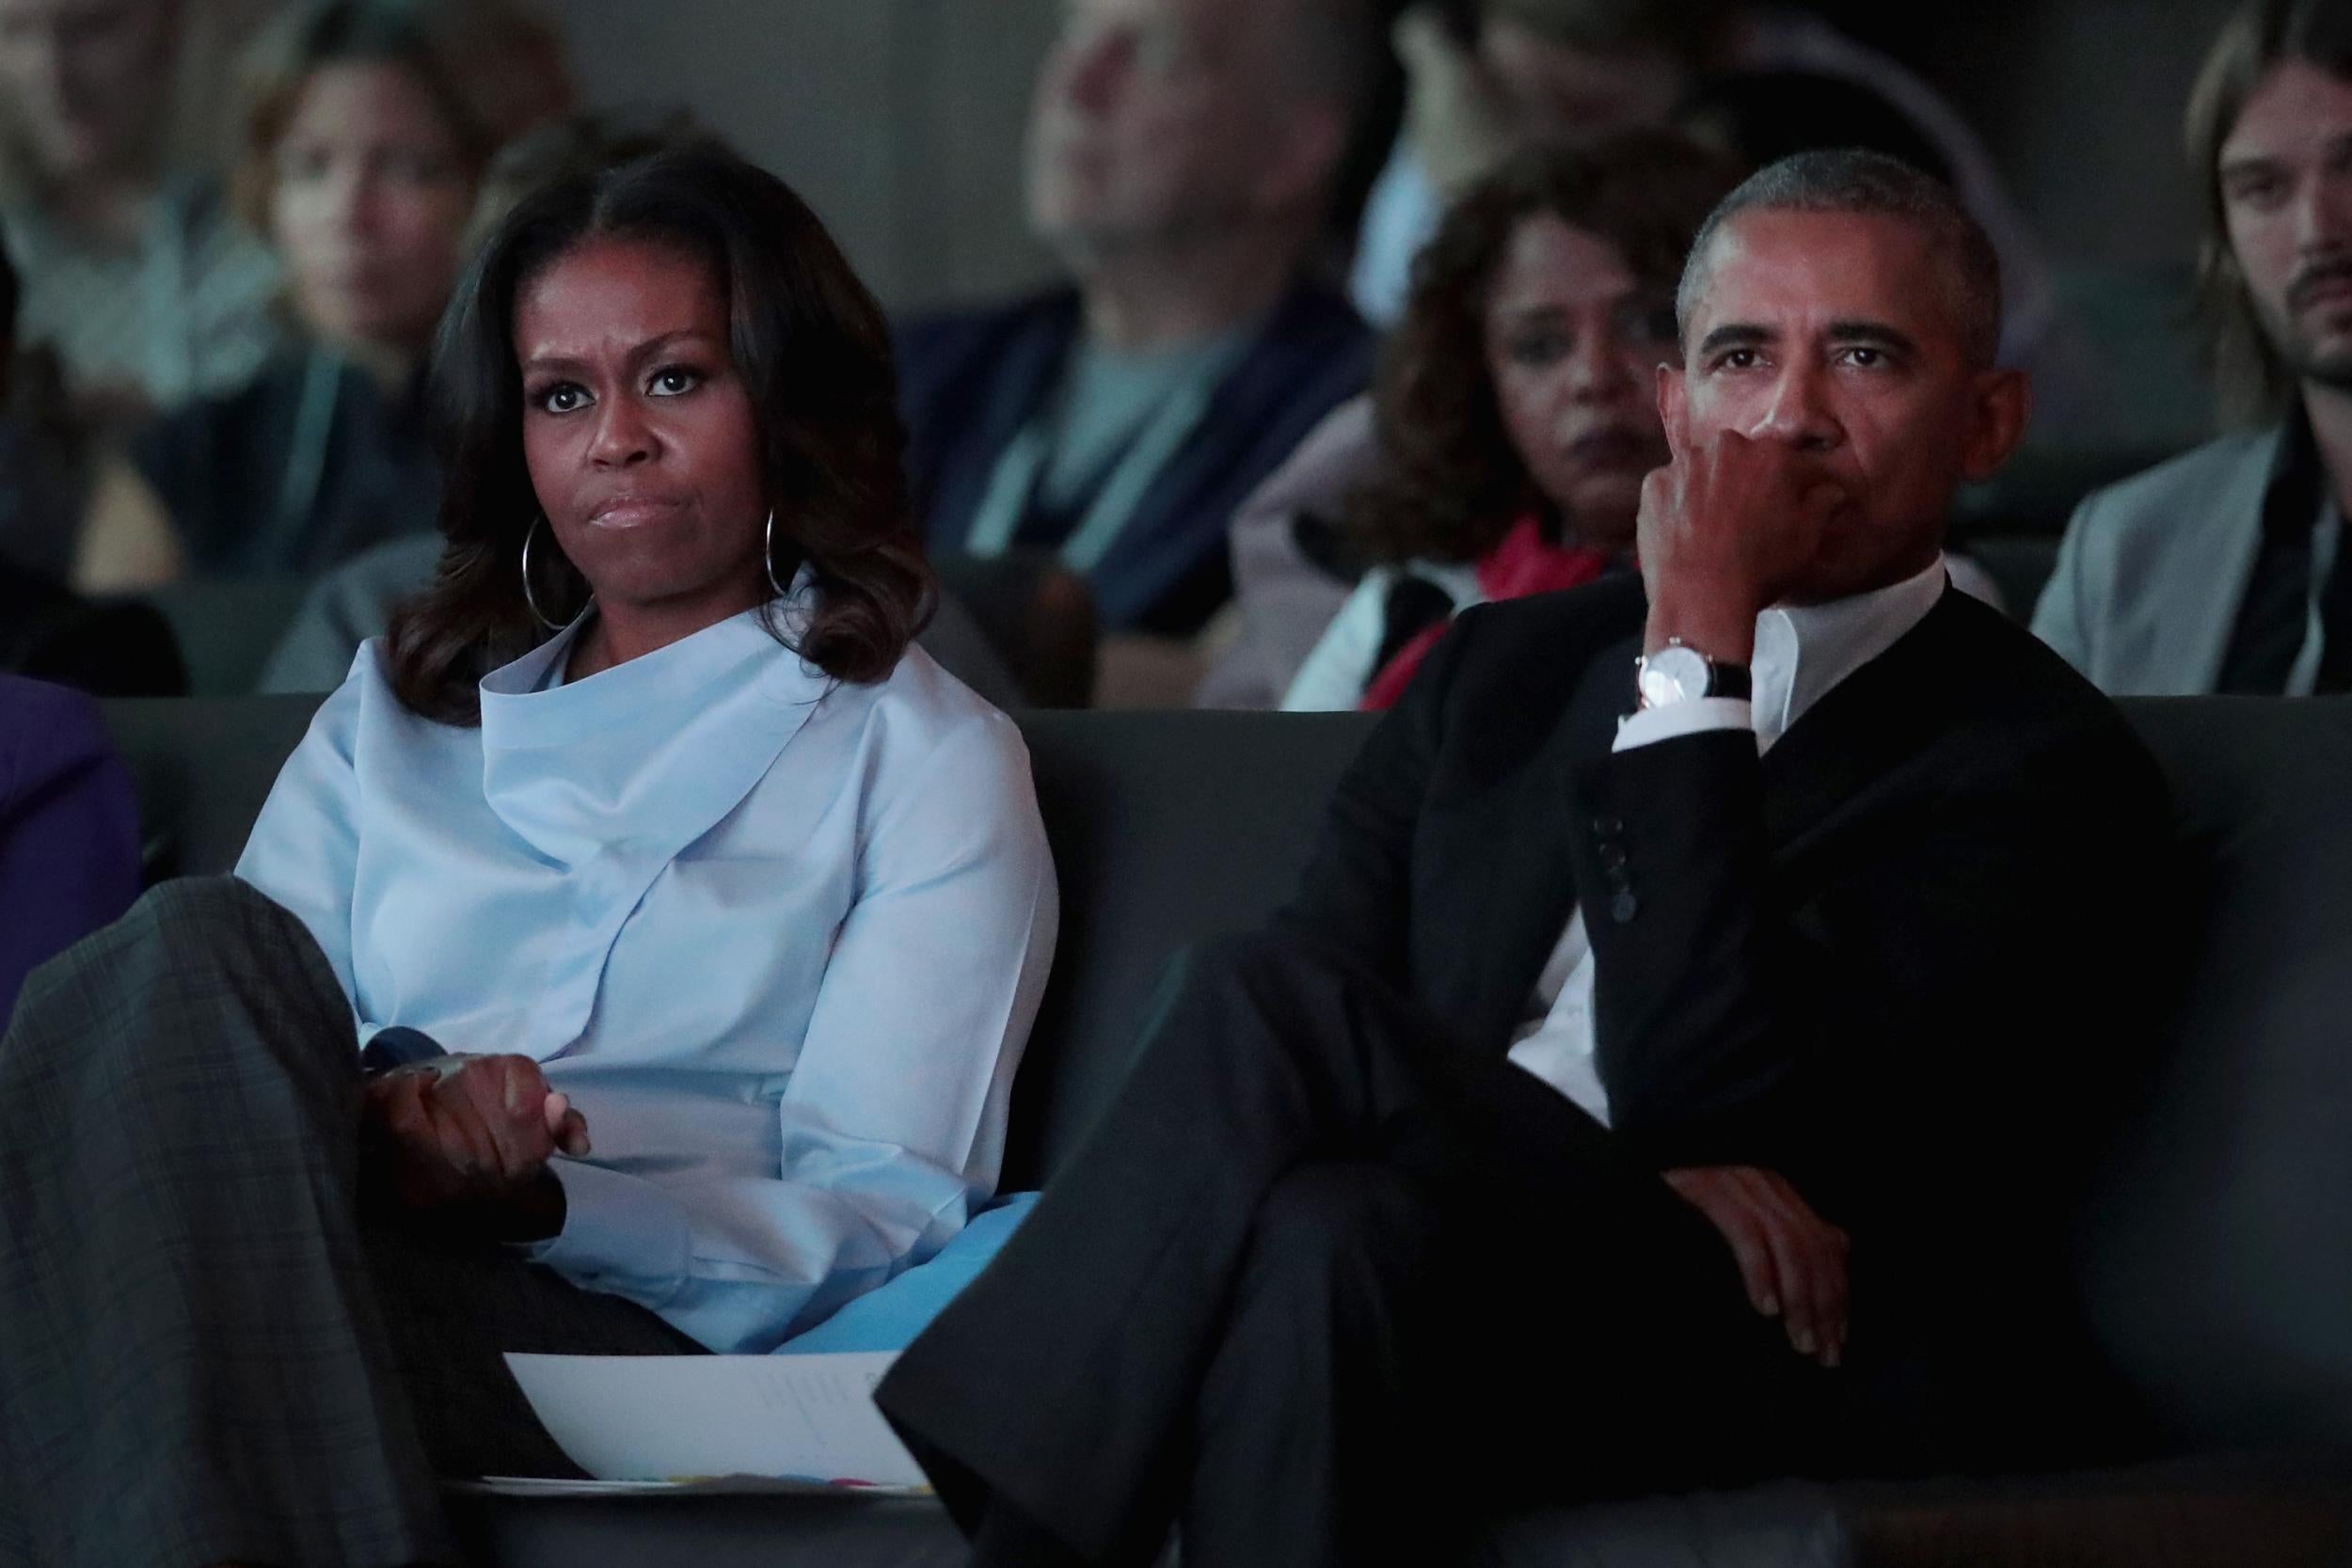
(767, 554)
(530, 598)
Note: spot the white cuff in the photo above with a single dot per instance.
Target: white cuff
(1651, 725)
(621, 1234)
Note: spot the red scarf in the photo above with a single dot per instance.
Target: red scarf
(1521, 563)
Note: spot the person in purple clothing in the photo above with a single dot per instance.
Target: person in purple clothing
(69, 828)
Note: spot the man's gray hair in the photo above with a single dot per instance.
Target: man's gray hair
(1871, 183)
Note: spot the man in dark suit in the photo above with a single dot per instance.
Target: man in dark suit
(1182, 158)
(1670, 1073)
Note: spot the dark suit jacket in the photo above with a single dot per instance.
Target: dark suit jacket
(1904, 960)
(969, 382)
(222, 466)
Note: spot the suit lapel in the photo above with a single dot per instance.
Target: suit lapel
(1855, 734)
(1518, 887)
(1528, 868)
(1184, 511)
(1013, 392)
(2201, 605)
(1249, 397)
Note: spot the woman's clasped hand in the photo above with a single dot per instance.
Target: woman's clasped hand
(466, 1139)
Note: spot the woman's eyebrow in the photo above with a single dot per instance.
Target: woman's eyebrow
(651, 348)
(564, 363)
(666, 341)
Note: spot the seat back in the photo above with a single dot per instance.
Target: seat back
(2219, 1257)
(1165, 827)
(228, 626)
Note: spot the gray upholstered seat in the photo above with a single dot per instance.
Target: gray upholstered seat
(2218, 1258)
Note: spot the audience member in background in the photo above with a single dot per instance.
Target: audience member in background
(1760, 118)
(1181, 159)
(58, 470)
(367, 124)
(68, 828)
(1524, 1156)
(2225, 570)
(1539, 69)
(135, 270)
(47, 456)
(1502, 451)
(46, 629)
(658, 716)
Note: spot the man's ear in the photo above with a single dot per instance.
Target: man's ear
(2003, 403)
(1299, 169)
(1674, 408)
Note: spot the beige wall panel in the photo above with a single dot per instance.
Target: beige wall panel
(899, 120)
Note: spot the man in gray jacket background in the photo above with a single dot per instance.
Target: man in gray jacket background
(2223, 570)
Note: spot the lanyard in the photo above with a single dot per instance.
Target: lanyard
(167, 242)
(306, 457)
(1012, 484)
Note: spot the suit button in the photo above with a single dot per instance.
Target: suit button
(1624, 906)
(1611, 854)
(1607, 826)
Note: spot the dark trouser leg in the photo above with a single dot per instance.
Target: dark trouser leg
(195, 1365)
(1414, 1346)
(1062, 1385)
(451, 1314)
(1310, 1425)
(178, 1192)
(1057, 1381)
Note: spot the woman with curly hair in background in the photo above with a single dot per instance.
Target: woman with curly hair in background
(1502, 450)
(1517, 405)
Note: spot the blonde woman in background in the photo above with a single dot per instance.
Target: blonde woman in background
(365, 130)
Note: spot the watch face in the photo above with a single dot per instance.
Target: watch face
(1671, 675)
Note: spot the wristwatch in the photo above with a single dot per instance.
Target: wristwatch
(1678, 673)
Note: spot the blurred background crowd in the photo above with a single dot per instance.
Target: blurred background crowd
(1242, 341)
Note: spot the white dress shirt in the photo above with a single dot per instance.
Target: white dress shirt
(1346, 656)
(1802, 652)
(779, 938)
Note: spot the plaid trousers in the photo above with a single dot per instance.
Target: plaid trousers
(208, 1353)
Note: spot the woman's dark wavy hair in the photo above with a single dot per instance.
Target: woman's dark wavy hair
(813, 353)
(1450, 484)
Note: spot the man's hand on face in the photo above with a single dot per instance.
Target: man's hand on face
(470, 1137)
(1792, 1260)
(1727, 529)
